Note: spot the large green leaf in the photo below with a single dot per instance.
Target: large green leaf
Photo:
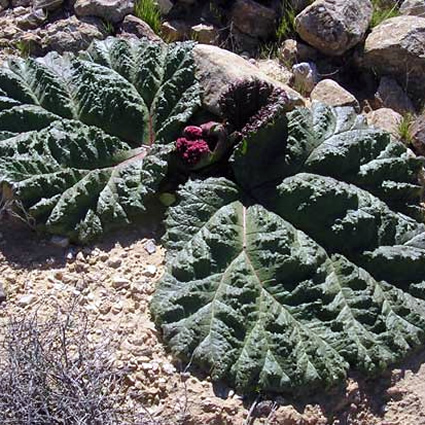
(84, 141)
(325, 273)
(336, 142)
(260, 304)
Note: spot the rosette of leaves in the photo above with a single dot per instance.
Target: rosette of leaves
(287, 276)
(84, 141)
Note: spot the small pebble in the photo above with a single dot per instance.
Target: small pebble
(114, 262)
(150, 270)
(26, 300)
(150, 247)
(119, 282)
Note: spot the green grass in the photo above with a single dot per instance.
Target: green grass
(382, 11)
(148, 11)
(286, 27)
(404, 129)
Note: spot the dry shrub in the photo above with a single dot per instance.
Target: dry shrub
(53, 371)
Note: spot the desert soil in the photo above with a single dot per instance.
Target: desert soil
(113, 282)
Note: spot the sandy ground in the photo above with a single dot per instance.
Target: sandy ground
(113, 282)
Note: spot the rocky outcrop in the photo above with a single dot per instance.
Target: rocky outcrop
(332, 94)
(334, 26)
(70, 34)
(413, 7)
(109, 10)
(219, 68)
(396, 47)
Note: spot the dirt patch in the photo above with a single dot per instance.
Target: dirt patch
(113, 282)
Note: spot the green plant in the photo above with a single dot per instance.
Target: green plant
(286, 26)
(294, 254)
(305, 263)
(382, 10)
(93, 135)
(148, 11)
(108, 27)
(24, 48)
(404, 128)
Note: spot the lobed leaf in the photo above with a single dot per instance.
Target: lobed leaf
(260, 304)
(84, 142)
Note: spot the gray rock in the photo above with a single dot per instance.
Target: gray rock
(396, 47)
(305, 77)
(26, 300)
(391, 95)
(150, 247)
(133, 25)
(217, 69)
(71, 34)
(119, 282)
(413, 7)
(109, 10)
(254, 19)
(164, 6)
(49, 5)
(385, 119)
(332, 94)
(293, 51)
(334, 26)
(149, 271)
(31, 20)
(4, 4)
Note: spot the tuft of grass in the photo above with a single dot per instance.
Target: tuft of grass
(382, 10)
(24, 48)
(404, 129)
(108, 27)
(148, 11)
(286, 26)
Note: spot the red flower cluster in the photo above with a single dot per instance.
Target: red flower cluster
(192, 147)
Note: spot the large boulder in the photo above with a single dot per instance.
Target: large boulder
(331, 93)
(254, 19)
(413, 7)
(385, 119)
(396, 47)
(390, 95)
(131, 25)
(334, 26)
(70, 34)
(217, 69)
(109, 10)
